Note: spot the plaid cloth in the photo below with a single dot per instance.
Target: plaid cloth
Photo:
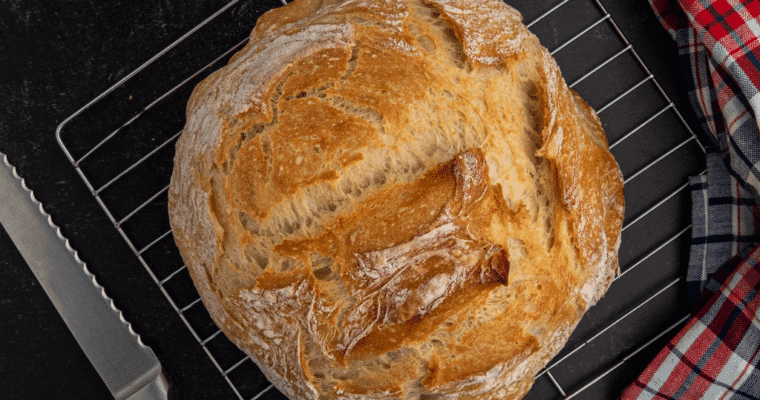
(715, 356)
(724, 222)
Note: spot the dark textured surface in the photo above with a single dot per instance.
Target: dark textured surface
(57, 56)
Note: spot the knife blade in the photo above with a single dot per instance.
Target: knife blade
(128, 367)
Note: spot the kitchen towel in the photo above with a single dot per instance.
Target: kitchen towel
(715, 356)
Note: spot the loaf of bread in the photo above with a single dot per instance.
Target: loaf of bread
(395, 199)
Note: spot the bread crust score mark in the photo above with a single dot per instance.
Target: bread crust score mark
(395, 200)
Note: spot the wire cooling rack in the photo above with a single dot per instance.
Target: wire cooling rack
(121, 144)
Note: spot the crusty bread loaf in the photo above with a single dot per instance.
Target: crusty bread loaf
(395, 199)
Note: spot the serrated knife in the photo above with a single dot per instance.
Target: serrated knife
(129, 368)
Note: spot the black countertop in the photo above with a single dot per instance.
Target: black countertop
(54, 58)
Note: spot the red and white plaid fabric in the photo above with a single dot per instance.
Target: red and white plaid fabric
(717, 354)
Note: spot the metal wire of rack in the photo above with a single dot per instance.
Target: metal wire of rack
(206, 336)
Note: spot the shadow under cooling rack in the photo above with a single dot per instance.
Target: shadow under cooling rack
(122, 144)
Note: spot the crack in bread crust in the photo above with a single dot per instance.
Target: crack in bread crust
(395, 199)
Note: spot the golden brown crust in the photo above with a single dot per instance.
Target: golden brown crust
(396, 198)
